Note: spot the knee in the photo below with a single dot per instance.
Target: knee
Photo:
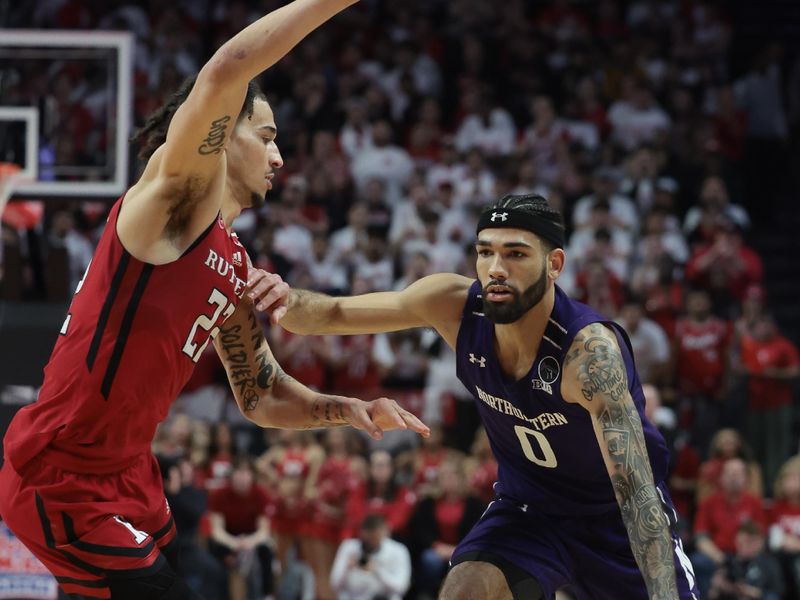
(475, 581)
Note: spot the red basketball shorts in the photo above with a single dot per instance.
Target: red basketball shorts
(89, 529)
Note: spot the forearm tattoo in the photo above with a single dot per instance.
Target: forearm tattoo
(215, 140)
(603, 378)
(327, 411)
(250, 379)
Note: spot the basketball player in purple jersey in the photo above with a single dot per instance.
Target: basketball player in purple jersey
(581, 510)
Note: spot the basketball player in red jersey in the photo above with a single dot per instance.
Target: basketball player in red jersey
(79, 485)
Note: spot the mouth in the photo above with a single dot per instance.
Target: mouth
(268, 179)
(499, 293)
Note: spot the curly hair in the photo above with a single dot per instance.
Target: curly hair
(154, 131)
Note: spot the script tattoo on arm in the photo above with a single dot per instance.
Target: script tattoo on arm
(603, 382)
(215, 140)
(250, 377)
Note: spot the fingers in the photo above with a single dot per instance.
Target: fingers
(414, 423)
(390, 415)
(360, 419)
(266, 291)
(277, 314)
(276, 295)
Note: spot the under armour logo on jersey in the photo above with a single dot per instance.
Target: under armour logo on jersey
(524, 508)
(481, 361)
(501, 216)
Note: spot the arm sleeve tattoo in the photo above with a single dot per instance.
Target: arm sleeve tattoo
(603, 384)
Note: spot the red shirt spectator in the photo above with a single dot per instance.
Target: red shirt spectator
(720, 515)
(381, 495)
(772, 362)
(702, 345)
(725, 265)
(240, 508)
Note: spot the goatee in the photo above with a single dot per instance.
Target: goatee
(507, 312)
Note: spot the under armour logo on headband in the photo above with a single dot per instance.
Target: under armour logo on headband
(501, 216)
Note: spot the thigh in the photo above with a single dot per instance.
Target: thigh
(523, 545)
(475, 580)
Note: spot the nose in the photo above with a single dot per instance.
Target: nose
(275, 158)
(496, 269)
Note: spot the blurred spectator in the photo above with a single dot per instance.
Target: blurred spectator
(383, 161)
(220, 456)
(188, 505)
(440, 521)
(784, 533)
(359, 362)
(416, 266)
(725, 267)
(545, 140)
(658, 240)
(475, 186)
(372, 566)
(599, 287)
(327, 275)
(642, 177)
(409, 368)
(749, 572)
(603, 239)
(715, 211)
(488, 127)
(772, 364)
(355, 135)
(428, 459)
(289, 468)
(481, 467)
(701, 347)
(663, 294)
(718, 520)
(338, 476)
(759, 94)
(622, 211)
(650, 345)
(63, 234)
(380, 494)
(528, 180)
(306, 358)
(725, 445)
(752, 307)
(240, 531)
(347, 240)
(636, 118)
(663, 417)
(448, 168)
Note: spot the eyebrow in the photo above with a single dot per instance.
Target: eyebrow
(270, 128)
(506, 245)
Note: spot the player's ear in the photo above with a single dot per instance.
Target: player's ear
(555, 263)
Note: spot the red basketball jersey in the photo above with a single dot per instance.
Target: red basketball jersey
(127, 347)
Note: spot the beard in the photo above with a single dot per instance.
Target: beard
(503, 313)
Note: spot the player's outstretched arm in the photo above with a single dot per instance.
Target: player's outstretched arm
(434, 301)
(270, 398)
(175, 181)
(595, 377)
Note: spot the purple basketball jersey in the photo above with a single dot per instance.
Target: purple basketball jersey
(546, 449)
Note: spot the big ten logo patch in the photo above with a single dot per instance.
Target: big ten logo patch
(548, 371)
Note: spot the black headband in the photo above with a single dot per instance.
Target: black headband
(508, 218)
